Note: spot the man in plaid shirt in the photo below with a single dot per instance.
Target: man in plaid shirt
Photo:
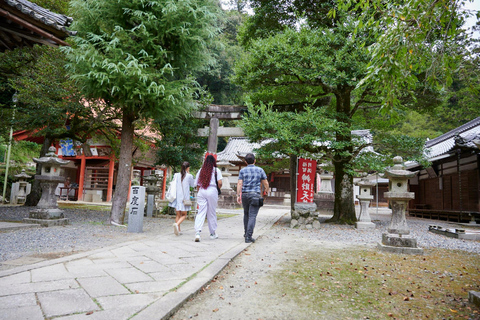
(250, 181)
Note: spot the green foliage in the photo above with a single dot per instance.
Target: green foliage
(49, 103)
(138, 56)
(180, 142)
(217, 79)
(24, 151)
(418, 41)
(57, 6)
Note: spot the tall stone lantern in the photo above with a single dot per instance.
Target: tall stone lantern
(397, 238)
(47, 212)
(20, 189)
(364, 197)
(152, 189)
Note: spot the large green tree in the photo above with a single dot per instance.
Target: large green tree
(138, 57)
(301, 54)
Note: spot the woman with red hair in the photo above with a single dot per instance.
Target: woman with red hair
(207, 198)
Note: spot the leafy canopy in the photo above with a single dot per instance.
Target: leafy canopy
(139, 54)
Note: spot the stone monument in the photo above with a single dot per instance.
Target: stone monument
(397, 238)
(136, 209)
(152, 189)
(20, 189)
(47, 212)
(364, 197)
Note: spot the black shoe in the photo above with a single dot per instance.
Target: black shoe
(249, 240)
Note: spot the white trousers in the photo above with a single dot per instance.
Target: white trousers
(207, 200)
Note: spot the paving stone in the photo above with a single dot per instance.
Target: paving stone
(148, 266)
(160, 286)
(55, 272)
(124, 252)
(119, 313)
(130, 300)
(87, 271)
(128, 275)
(102, 286)
(72, 301)
(18, 300)
(38, 287)
(112, 264)
(23, 313)
(23, 277)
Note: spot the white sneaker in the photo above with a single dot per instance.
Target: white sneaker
(197, 237)
(214, 236)
(175, 229)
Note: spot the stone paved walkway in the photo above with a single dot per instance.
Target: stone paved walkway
(144, 279)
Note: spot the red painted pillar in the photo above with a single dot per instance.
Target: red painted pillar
(111, 170)
(164, 186)
(81, 181)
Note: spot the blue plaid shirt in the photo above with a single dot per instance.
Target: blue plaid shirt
(251, 177)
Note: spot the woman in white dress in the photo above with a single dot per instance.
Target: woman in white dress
(207, 196)
(184, 180)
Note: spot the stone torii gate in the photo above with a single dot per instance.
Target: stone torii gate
(215, 113)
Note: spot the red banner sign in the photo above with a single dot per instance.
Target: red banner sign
(306, 179)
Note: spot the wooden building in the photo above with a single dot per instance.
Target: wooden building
(450, 188)
(23, 24)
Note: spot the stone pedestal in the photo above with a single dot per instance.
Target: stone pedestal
(305, 216)
(397, 238)
(365, 197)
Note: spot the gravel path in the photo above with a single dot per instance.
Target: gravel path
(248, 287)
(88, 230)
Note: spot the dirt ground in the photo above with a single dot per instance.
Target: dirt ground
(263, 283)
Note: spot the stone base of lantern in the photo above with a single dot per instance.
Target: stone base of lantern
(228, 200)
(47, 217)
(364, 225)
(48, 222)
(397, 244)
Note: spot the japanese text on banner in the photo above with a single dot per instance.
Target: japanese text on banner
(306, 180)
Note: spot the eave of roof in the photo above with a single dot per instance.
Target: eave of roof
(57, 21)
(446, 142)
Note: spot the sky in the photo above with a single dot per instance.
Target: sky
(472, 6)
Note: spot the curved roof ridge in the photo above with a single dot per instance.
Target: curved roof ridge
(47, 17)
(475, 122)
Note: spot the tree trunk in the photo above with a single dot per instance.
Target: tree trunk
(293, 181)
(344, 207)
(119, 200)
(36, 190)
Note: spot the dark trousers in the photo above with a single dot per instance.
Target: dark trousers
(249, 213)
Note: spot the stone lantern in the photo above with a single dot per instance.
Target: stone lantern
(152, 189)
(325, 197)
(20, 189)
(223, 166)
(365, 196)
(47, 212)
(397, 238)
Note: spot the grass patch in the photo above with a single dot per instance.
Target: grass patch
(367, 284)
(84, 206)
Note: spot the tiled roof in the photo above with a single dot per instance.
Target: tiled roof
(242, 146)
(237, 145)
(55, 20)
(446, 142)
